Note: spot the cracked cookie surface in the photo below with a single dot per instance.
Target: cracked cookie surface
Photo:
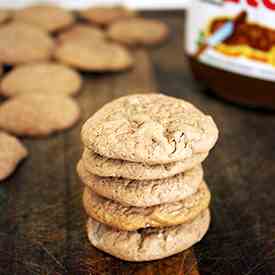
(132, 218)
(104, 167)
(150, 128)
(148, 244)
(142, 193)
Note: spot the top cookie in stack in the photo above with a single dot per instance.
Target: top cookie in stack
(145, 194)
(152, 129)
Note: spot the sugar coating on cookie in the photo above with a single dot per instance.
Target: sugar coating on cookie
(38, 114)
(148, 244)
(138, 31)
(142, 193)
(23, 43)
(47, 17)
(94, 56)
(149, 128)
(44, 78)
(12, 152)
(132, 218)
(82, 32)
(106, 15)
(104, 167)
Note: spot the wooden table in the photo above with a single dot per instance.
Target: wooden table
(42, 220)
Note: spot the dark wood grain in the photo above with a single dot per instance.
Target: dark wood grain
(42, 222)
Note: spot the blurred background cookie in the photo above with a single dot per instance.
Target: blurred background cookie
(5, 15)
(12, 152)
(138, 31)
(23, 43)
(38, 114)
(47, 17)
(82, 32)
(94, 56)
(106, 15)
(45, 78)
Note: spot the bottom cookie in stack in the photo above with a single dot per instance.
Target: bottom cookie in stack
(139, 220)
(149, 243)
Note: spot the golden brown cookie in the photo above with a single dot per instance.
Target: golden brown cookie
(38, 114)
(47, 17)
(106, 15)
(45, 78)
(82, 32)
(149, 128)
(12, 152)
(149, 243)
(95, 56)
(23, 43)
(138, 31)
(105, 167)
(132, 218)
(141, 193)
(4, 15)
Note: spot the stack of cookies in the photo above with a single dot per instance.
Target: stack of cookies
(144, 190)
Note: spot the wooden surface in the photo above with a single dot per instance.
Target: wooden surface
(42, 222)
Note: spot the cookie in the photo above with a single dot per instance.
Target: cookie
(12, 152)
(138, 31)
(94, 56)
(23, 43)
(148, 244)
(48, 18)
(105, 167)
(45, 78)
(4, 16)
(149, 128)
(106, 15)
(142, 193)
(132, 218)
(38, 114)
(82, 32)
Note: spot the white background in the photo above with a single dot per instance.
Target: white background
(139, 4)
